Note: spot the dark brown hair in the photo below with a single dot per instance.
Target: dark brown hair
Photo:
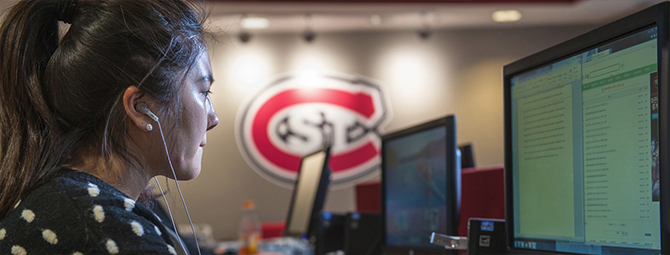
(59, 96)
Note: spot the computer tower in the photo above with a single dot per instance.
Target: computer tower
(330, 233)
(363, 233)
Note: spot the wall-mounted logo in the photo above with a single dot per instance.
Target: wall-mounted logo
(297, 113)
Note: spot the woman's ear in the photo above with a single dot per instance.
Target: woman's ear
(132, 97)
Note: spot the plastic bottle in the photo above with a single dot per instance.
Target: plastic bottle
(250, 229)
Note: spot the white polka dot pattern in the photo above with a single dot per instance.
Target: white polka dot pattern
(18, 250)
(158, 231)
(28, 215)
(77, 253)
(171, 250)
(129, 204)
(98, 213)
(111, 247)
(3, 232)
(93, 190)
(17, 204)
(137, 228)
(50, 236)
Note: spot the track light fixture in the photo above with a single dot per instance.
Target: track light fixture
(309, 34)
(244, 35)
(425, 31)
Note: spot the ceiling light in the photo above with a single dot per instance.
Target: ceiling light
(506, 16)
(375, 20)
(255, 23)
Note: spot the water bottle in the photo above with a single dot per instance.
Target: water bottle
(250, 229)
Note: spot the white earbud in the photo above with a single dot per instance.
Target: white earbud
(143, 108)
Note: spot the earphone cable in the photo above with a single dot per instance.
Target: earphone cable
(180, 194)
(170, 213)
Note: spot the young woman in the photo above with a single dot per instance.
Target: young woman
(78, 142)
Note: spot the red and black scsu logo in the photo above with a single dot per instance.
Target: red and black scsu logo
(297, 114)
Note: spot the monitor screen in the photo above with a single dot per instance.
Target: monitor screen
(309, 194)
(582, 148)
(420, 185)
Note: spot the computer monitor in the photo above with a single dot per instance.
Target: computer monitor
(420, 187)
(309, 195)
(586, 142)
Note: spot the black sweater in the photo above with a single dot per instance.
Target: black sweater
(76, 213)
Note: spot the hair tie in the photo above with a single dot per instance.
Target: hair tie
(65, 10)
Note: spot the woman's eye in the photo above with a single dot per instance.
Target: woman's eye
(207, 93)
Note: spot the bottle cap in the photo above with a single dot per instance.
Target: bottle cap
(248, 204)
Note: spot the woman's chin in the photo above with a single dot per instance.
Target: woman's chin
(192, 175)
(185, 174)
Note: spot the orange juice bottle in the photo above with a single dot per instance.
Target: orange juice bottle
(250, 229)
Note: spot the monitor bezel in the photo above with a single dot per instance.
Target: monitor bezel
(319, 197)
(453, 184)
(657, 16)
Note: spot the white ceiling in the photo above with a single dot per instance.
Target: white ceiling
(289, 17)
(332, 17)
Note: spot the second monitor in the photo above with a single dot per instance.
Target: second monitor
(420, 187)
(308, 195)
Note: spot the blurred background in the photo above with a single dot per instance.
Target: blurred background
(431, 58)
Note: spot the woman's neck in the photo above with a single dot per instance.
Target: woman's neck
(114, 172)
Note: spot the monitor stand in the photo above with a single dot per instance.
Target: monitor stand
(449, 242)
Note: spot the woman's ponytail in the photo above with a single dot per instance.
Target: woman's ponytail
(28, 132)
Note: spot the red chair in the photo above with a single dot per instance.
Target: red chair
(368, 197)
(482, 195)
(272, 229)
